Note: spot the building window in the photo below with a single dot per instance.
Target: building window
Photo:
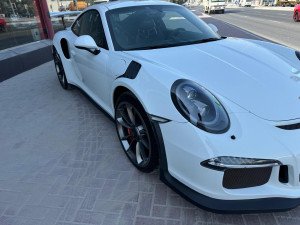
(19, 23)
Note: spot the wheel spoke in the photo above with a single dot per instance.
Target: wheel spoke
(124, 123)
(126, 117)
(126, 137)
(142, 151)
(130, 114)
(131, 145)
(144, 142)
(139, 153)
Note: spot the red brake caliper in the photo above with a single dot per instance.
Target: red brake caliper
(129, 132)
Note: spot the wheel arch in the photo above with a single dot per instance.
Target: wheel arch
(118, 91)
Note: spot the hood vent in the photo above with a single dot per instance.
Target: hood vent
(290, 127)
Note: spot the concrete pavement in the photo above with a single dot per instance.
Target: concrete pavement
(277, 26)
(275, 8)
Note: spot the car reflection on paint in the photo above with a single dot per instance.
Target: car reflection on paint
(2, 24)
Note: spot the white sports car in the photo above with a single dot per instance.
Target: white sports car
(221, 116)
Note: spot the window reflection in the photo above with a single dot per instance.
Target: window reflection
(19, 23)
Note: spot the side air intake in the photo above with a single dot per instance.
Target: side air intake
(246, 177)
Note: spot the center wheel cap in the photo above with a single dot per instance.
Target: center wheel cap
(138, 131)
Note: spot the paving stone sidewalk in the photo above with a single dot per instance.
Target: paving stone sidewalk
(61, 164)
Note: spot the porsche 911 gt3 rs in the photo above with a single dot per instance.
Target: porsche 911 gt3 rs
(221, 116)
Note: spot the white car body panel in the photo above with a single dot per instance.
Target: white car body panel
(254, 81)
(184, 156)
(268, 85)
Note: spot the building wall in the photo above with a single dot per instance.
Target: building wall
(58, 5)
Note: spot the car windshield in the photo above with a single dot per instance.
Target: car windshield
(158, 26)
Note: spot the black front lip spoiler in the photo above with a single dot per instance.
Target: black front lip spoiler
(229, 206)
(217, 205)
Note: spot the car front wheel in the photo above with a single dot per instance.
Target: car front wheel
(135, 133)
(296, 16)
(2, 28)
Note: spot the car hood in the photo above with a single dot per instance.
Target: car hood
(248, 74)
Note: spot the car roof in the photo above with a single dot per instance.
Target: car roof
(126, 3)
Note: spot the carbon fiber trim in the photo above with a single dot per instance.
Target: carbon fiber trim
(132, 70)
(246, 177)
(297, 54)
(290, 127)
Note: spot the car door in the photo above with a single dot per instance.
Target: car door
(93, 68)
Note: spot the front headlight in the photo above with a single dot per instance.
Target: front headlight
(199, 106)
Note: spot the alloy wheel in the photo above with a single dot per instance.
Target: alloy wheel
(60, 70)
(296, 17)
(133, 134)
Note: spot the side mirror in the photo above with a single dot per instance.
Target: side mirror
(213, 27)
(86, 42)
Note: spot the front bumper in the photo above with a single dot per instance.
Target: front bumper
(229, 206)
(186, 146)
(217, 8)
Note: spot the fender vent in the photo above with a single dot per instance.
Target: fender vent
(297, 54)
(290, 127)
(65, 48)
(132, 70)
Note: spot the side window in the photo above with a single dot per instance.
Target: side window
(97, 31)
(90, 24)
(85, 24)
(76, 26)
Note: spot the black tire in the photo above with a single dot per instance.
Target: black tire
(135, 133)
(2, 27)
(60, 70)
(205, 10)
(296, 16)
(223, 11)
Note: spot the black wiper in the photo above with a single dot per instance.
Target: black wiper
(152, 47)
(203, 41)
(174, 45)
